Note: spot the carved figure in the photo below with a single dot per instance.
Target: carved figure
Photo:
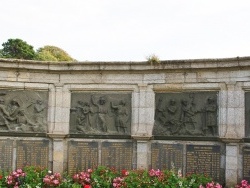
(83, 120)
(211, 116)
(187, 117)
(25, 124)
(39, 108)
(3, 114)
(13, 108)
(102, 112)
(172, 121)
(121, 116)
(159, 112)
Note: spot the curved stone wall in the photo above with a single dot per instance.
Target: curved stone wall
(189, 114)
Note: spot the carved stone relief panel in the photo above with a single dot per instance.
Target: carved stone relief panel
(247, 114)
(186, 114)
(23, 111)
(100, 113)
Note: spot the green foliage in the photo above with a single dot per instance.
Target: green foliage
(3, 179)
(1, 53)
(17, 49)
(153, 59)
(53, 53)
(33, 176)
(195, 180)
(103, 177)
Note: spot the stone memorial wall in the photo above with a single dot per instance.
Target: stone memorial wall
(191, 115)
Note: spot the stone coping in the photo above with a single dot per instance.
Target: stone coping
(235, 62)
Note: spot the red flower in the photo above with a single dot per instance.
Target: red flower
(1, 177)
(87, 186)
(125, 172)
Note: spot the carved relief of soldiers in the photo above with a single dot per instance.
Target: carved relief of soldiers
(3, 115)
(102, 112)
(13, 108)
(211, 116)
(121, 116)
(160, 111)
(186, 114)
(83, 119)
(187, 117)
(16, 115)
(23, 123)
(39, 108)
(172, 121)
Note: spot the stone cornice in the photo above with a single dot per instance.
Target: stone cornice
(165, 65)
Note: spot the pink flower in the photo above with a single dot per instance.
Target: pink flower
(19, 171)
(89, 170)
(152, 172)
(46, 180)
(56, 182)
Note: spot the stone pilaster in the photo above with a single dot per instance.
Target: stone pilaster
(58, 152)
(146, 110)
(142, 151)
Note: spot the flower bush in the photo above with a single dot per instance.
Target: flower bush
(104, 177)
(243, 184)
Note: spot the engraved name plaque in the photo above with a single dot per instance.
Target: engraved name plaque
(166, 156)
(6, 151)
(246, 163)
(82, 156)
(204, 159)
(118, 155)
(32, 152)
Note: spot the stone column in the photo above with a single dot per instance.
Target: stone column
(146, 110)
(62, 109)
(234, 129)
(58, 152)
(60, 129)
(142, 152)
(145, 114)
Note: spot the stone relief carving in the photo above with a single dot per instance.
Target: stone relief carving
(186, 114)
(247, 114)
(23, 111)
(94, 113)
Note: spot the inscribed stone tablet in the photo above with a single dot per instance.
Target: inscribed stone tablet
(32, 152)
(100, 113)
(246, 163)
(82, 156)
(204, 159)
(6, 151)
(118, 155)
(166, 156)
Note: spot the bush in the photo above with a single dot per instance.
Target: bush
(104, 177)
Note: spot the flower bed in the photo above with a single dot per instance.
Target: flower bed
(103, 177)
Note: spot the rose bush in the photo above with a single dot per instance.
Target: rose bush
(104, 177)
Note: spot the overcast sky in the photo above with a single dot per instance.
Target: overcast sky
(131, 30)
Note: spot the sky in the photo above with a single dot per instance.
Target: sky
(131, 30)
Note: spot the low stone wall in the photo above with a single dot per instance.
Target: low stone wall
(191, 115)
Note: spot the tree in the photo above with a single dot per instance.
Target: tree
(18, 49)
(53, 53)
(1, 53)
